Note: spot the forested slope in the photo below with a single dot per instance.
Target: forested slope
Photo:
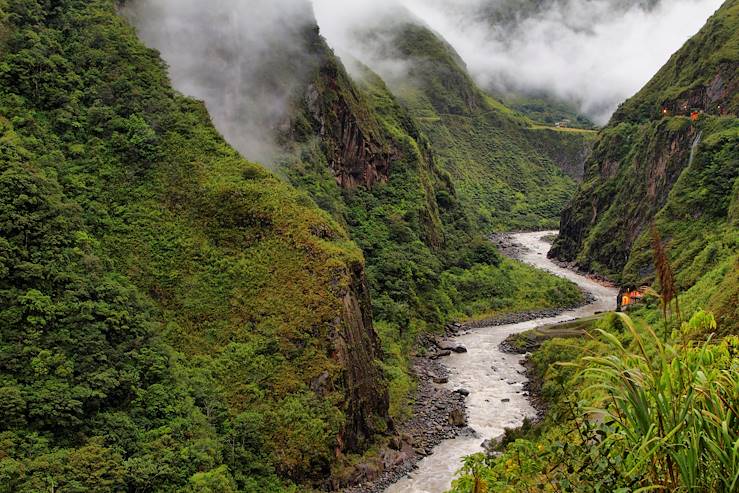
(179, 318)
(509, 171)
(173, 315)
(669, 156)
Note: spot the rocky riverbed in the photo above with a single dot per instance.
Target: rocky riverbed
(470, 388)
(438, 414)
(499, 390)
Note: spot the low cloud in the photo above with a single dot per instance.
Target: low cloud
(244, 59)
(591, 53)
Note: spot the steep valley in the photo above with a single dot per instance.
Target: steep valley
(177, 316)
(225, 247)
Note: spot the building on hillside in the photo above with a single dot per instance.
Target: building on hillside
(628, 297)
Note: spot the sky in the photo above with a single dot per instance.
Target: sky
(593, 54)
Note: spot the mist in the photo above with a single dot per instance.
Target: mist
(593, 54)
(244, 59)
(249, 60)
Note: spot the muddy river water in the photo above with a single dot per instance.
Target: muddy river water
(495, 379)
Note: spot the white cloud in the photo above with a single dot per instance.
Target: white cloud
(243, 58)
(593, 53)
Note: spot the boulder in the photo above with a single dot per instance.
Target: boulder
(441, 354)
(457, 418)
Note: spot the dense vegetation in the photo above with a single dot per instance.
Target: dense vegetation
(649, 401)
(167, 307)
(173, 315)
(508, 172)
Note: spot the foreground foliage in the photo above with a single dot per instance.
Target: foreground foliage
(643, 416)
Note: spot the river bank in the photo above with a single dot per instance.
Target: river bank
(443, 391)
(433, 416)
(496, 381)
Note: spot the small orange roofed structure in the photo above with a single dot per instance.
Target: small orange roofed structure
(694, 116)
(631, 297)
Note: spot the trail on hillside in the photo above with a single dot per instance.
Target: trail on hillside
(495, 379)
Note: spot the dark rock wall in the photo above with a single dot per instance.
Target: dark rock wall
(621, 197)
(356, 156)
(357, 349)
(568, 150)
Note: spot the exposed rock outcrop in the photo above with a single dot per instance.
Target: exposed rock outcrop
(336, 113)
(356, 152)
(620, 214)
(358, 350)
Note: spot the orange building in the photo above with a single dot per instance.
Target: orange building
(631, 297)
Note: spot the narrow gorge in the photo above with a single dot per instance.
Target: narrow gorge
(245, 246)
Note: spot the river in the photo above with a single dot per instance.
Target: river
(492, 376)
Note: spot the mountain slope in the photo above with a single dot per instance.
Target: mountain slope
(173, 314)
(511, 173)
(652, 164)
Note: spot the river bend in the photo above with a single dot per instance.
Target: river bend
(492, 376)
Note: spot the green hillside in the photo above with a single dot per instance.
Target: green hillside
(362, 156)
(653, 164)
(173, 315)
(504, 170)
(547, 111)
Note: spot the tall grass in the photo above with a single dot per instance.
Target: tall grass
(665, 276)
(672, 409)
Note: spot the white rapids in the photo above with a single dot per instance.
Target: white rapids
(492, 376)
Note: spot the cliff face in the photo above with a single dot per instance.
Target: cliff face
(357, 152)
(357, 348)
(569, 149)
(668, 156)
(618, 212)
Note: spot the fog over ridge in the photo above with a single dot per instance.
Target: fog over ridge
(249, 59)
(591, 53)
(244, 59)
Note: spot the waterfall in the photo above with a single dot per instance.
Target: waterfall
(696, 142)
